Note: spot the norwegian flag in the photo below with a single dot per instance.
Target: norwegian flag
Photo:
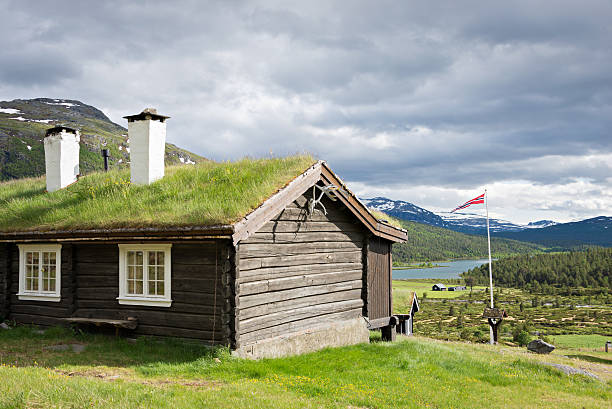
(477, 200)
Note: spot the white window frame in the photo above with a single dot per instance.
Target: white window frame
(146, 300)
(40, 295)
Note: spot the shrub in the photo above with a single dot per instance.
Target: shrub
(522, 338)
(466, 334)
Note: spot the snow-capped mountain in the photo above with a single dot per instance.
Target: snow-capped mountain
(540, 224)
(404, 211)
(476, 224)
(461, 222)
(595, 231)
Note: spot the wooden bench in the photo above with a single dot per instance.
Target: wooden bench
(130, 323)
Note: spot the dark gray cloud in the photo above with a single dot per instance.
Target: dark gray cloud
(452, 95)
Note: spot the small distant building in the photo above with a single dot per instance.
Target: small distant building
(457, 288)
(438, 287)
(406, 321)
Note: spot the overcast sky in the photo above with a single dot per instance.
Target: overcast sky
(428, 102)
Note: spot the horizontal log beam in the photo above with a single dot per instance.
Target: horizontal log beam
(258, 299)
(258, 287)
(298, 314)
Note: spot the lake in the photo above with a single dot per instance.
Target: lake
(451, 269)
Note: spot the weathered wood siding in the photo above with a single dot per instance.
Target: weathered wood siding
(90, 287)
(379, 302)
(299, 271)
(4, 279)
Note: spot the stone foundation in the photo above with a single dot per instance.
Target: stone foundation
(326, 335)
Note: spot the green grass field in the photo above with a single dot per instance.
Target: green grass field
(402, 287)
(413, 373)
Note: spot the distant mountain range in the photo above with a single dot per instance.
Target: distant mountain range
(595, 231)
(23, 123)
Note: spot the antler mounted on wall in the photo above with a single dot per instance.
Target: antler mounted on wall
(328, 191)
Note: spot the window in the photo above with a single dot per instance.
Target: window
(40, 272)
(144, 274)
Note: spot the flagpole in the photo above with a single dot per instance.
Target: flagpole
(491, 341)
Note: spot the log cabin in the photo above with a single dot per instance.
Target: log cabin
(270, 257)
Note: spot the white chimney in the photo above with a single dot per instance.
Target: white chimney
(61, 157)
(147, 134)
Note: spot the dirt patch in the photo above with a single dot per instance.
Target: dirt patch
(114, 374)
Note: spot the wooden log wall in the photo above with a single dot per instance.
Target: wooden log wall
(298, 271)
(90, 287)
(198, 307)
(5, 277)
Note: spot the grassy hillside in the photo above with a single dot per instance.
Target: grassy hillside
(412, 373)
(428, 243)
(22, 128)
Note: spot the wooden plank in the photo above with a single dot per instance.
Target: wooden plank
(261, 310)
(178, 307)
(301, 215)
(127, 324)
(308, 237)
(36, 319)
(158, 318)
(111, 294)
(302, 259)
(48, 309)
(299, 325)
(221, 337)
(258, 287)
(290, 271)
(292, 249)
(69, 285)
(5, 279)
(379, 322)
(99, 269)
(258, 299)
(285, 226)
(296, 314)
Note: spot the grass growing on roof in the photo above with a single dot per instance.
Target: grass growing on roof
(202, 195)
(384, 216)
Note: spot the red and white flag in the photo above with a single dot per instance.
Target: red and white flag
(477, 200)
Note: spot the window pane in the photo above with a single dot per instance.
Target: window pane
(139, 258)
(138, 287)
(160, 258)
(130, 273)
(52, 256)
(130, 258)
(130, 287)
(45, 257)
(52, 271)
(138, 272)
(152, 289)
(152, 260)
(160, 288)
(52, 285)
(46, 285)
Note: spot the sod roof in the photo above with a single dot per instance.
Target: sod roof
(207, 194)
